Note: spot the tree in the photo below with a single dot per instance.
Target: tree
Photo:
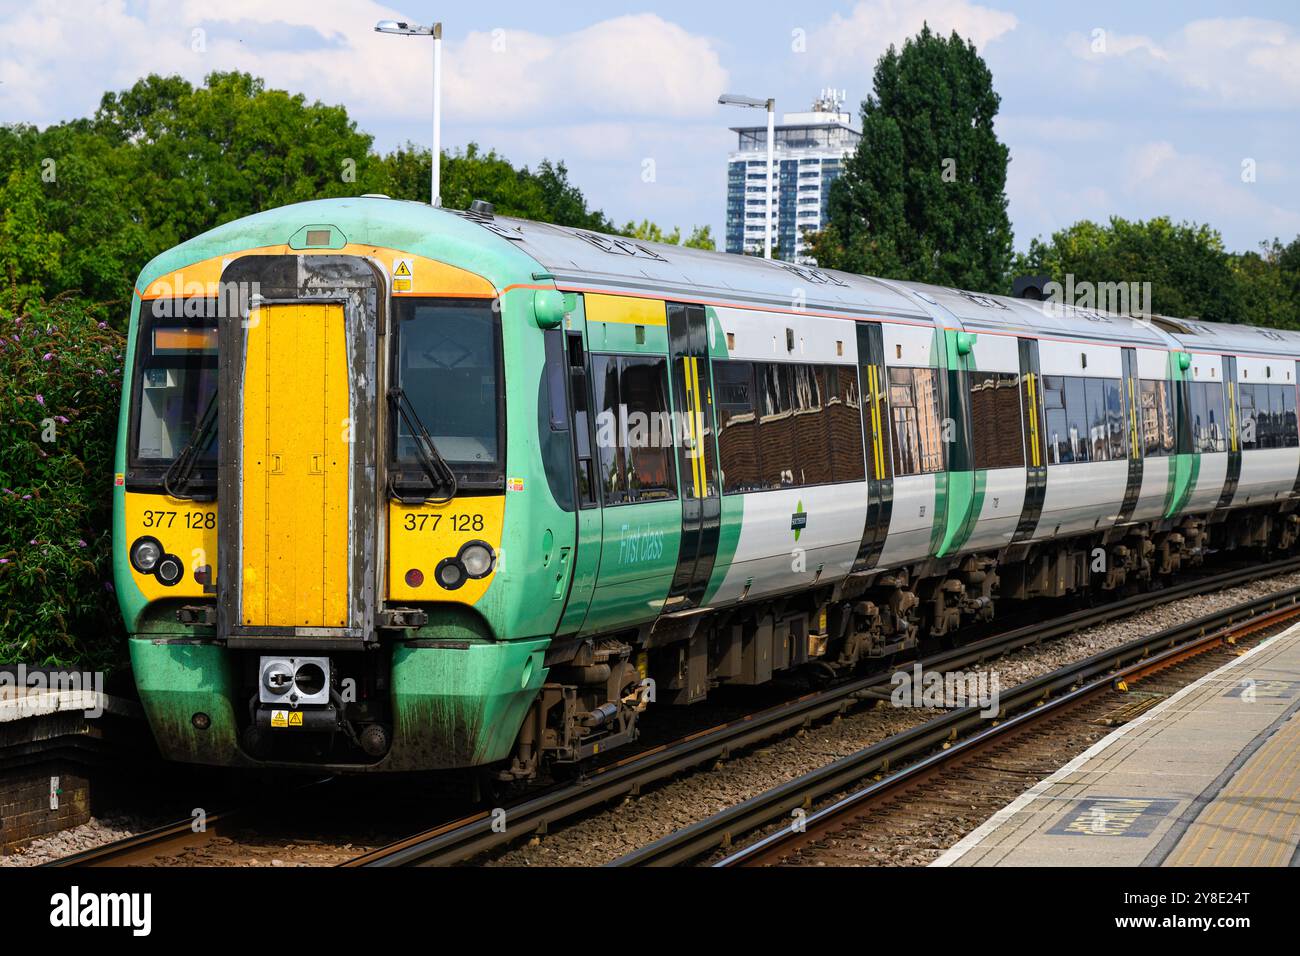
(923, 197)
(701, 237)
(469, 174)
(1191, 274)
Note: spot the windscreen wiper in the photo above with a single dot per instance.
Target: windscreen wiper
(435, 466)
(181, 470)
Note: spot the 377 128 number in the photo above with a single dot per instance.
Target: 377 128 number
(459, 523)
(195, 520)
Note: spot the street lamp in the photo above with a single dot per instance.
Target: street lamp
(731, 99)
(402, 28)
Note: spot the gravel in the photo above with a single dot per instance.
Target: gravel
(95, 832)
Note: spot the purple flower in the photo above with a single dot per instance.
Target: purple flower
(99, 371)
(4, 560)
(27, 497)
(40, 399)
(103, 325)
(61, 419)
(81, 543)
(48, 356)
(33, 541)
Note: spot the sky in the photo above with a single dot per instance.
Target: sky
(1188, 109)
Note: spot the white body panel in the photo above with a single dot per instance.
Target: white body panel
(911, 521)
(767, 553)
(1067, 358)
(757, 336)
(1004, 499)
(1082, 497)
(1155, 488)
(1209, 482)
(1267, 474)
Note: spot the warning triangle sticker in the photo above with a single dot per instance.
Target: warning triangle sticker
(403, 269)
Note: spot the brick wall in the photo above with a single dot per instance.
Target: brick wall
(25, 812)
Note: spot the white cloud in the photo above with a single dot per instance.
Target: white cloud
(1159, 178)
(1238, 63)
(853, 43)
(57, 66)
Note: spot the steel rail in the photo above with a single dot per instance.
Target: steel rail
(147, 846)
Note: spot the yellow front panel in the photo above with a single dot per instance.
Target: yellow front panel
(296, 445)
(420, 536)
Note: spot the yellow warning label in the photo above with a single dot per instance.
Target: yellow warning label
(403, 277)
(295, 718)
(279, 718)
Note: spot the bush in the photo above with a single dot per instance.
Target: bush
(60, 382)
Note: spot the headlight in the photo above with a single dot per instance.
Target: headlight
(145, 554)
(170, 570)
(476, 558)
(449, 573)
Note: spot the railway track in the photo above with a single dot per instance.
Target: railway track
(1038, 721)
(462, 840)
(466, 837)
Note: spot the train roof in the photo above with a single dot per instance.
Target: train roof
(579, 258)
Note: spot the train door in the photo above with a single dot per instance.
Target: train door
(1031, 396)
(295, 475)
(297, 439)
(1131, 389)
(697, 453)
(587, 548)
(875, 421)
(1234, 433)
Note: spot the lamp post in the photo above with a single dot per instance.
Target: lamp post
(402, 28)
(731, 99)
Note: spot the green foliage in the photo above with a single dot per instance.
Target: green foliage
(60, 381)
(701, 237)
(924, 195)
(1191, 274)
(545, 195)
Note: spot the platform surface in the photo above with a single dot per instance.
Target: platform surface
(1208, 777)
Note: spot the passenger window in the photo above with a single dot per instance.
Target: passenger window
(1248, 417)
(844, 414)
(812, 464)
(998, 438)
(1115, 418)
(1157, 422)
(775, 427)
(1076, 417)
(733, 383)
(1059, 450)
(634, 433)
(915, 412)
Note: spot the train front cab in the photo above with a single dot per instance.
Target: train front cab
(330, 617)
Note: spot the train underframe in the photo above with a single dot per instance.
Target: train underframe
(597, 688)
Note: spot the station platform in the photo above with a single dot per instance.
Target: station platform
(1208, 777)
(56, 730)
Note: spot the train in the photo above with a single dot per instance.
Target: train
(403, 488)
